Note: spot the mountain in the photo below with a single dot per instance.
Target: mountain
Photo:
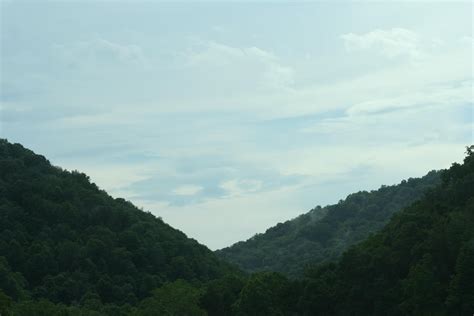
(67, 248)
(64, 240)
(420, 263)
(322, 234)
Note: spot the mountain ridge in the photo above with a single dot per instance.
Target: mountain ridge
(67, 248)
(64, 239)
(323, 233)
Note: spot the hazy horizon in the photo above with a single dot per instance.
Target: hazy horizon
(227, 118)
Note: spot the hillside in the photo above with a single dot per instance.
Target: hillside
(420, 263)
(322, 234)
(64, 240)
(67, 248)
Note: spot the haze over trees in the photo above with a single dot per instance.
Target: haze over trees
(322, 234)
(67, 248)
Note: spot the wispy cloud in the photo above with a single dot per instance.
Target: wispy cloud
(237, 187)
(188, 190)
(391, 43)
(254, 63)
(449, 94)
(99, 52)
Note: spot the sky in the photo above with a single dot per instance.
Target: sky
(225, 118)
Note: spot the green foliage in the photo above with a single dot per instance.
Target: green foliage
(323, 234)
(44, 307)
(265, 293)
(421, 290)
(219, 295)
(176, 298)
(67, 248)
(421, 263)
(63, 240)
(461, 291)
(6, 303)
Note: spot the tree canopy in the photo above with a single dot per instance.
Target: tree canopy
(64, 240)
(67, 248)
(324, 233)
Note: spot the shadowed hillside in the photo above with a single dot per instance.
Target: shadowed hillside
(67, 248)
(420, 263)
(65, 240)
(322, 234)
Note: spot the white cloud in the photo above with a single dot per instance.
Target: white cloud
(253, 62)
(446, 95)
(187, 190)
(238, 187)
(100, 51)
(467, 40)
(391, 43)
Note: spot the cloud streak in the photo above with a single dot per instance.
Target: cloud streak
(99, 52)
(392, 43)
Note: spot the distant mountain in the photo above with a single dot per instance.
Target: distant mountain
(64, 240)
(324, 233)
(420, 263)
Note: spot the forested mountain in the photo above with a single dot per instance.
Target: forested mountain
(67, 248)
(65, 240)
(420, 263)
(322, 234)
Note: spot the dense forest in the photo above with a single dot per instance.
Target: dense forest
(64, 240)
(322, 234)
(67, 248)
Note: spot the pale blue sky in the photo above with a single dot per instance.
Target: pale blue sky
(226, 118)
